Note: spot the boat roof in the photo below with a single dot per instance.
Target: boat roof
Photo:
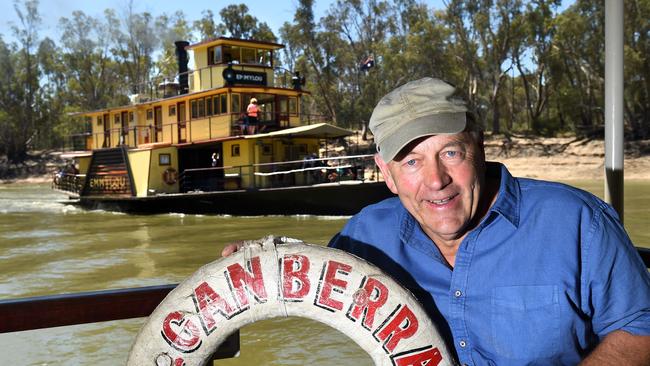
(235, 42)
(320, 130)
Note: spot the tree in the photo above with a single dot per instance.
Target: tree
(637, 68)
(23, 103)
(134, 47)
(240, 24)
(532, 57)
(578, 67)
(483, 32)
(92, 76)
(206, 26)
(171, 29)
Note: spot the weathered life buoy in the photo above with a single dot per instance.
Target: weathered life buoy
(270, 278)
(170, 176)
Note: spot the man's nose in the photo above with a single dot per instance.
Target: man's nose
(436, 176)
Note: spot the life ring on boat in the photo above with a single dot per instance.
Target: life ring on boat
(170, 176)
(276, 277)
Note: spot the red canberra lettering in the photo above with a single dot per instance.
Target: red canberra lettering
(217, 302)
(329, 283)
(370, 297)
(401, 326)
(181, 332)
(295, 277)
(426, 356)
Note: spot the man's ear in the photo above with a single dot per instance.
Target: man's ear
(388, 178)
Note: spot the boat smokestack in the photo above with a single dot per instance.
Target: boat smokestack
(183, 59)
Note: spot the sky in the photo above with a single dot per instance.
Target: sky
(273, 12)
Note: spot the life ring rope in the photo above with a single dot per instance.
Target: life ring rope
(280, 277)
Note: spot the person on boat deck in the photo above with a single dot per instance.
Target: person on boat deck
(513, 271)
(252, 111)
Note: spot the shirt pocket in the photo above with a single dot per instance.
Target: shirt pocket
(525, 321)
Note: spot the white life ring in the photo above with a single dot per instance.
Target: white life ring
(264, 280)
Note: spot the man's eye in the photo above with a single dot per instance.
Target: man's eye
(452, 154)
(410, 162)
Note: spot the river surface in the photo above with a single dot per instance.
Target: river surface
(47, 247)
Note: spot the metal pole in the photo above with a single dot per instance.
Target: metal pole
(614, 104)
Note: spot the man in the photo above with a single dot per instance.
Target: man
(513, 271)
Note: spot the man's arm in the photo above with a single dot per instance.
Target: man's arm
(620, 348)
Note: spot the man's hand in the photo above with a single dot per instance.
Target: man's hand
(620, 348)
(231, 248)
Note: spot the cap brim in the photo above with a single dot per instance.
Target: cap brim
(438, 124)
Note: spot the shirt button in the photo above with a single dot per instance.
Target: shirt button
(462, 344)
(457, 293)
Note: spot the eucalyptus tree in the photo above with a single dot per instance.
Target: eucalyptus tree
(313, 54)
(417, 46)
(134, 41)
(578, 65)
(482, 38)
(92, 75)
(22, 100)
(171, 28)
(637, 67)
(359, 30)
(531, 57)
(206, 26)
(239, 23)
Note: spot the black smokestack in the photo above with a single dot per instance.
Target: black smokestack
(183, 60)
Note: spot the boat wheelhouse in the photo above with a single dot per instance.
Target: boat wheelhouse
(190, 146)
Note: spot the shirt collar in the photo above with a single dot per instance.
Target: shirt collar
(509, 196)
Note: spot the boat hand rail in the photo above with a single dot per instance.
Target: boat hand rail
(344, 157)
(347, 157)
(91, 307)
(302, 170)
(215, 168)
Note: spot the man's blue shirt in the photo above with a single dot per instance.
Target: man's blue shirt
(541, 280)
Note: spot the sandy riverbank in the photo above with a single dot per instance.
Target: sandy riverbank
(566, 158)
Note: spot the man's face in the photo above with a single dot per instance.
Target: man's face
(439, 180)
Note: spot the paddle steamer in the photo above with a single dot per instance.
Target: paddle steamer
(190, 148)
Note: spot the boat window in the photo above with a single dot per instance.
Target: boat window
(116, 119)
(264, 57)
(172, 110)
(201, 107)
(130, 116)
(149, 113)
(194, 109)
(235, 103)
(208, 106)
(215, 104)
(293, 106)
(224, 103)
(248, 55)
(234, 150)
(99, 121)
(283, 105)
(214, 55)
(231, 54)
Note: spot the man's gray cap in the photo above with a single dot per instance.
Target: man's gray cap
(419, 108)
